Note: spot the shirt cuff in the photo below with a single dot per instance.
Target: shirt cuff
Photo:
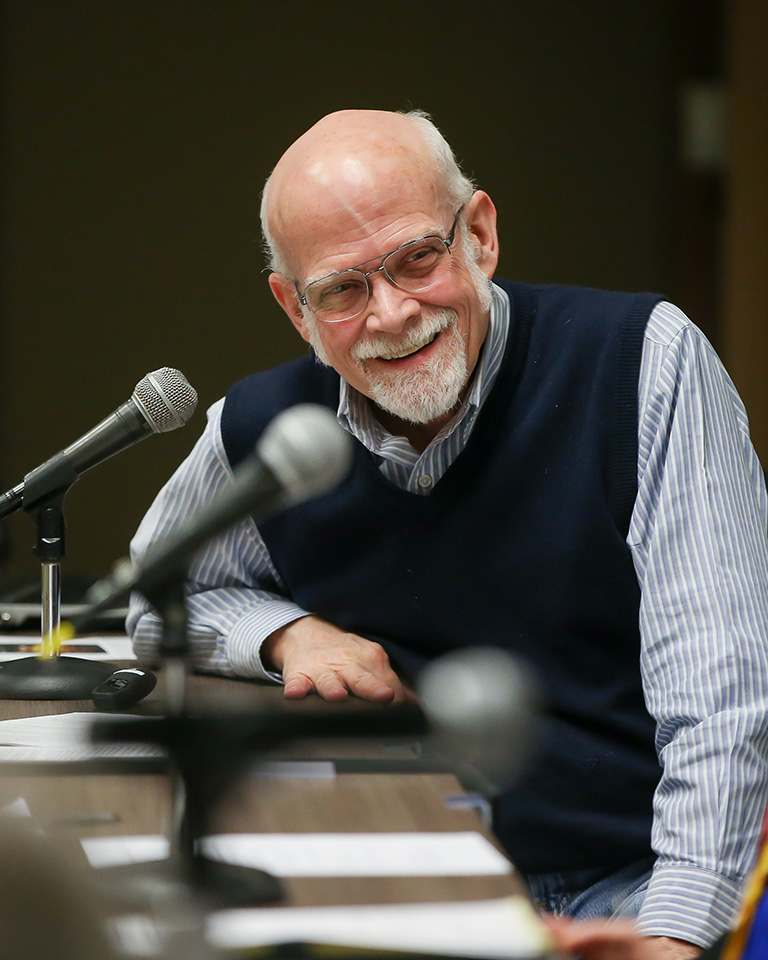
(688, 903)
(246, 637)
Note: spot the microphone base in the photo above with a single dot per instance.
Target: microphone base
(56, 678)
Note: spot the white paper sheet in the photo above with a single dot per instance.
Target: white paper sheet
(505, 928)
(462, 854)
(16, 808)
(63, 737)
(295, 769)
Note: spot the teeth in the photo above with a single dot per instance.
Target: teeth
(372, 350)
(410, 351)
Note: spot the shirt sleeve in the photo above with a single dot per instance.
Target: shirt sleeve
(699, 538)
(235, 598)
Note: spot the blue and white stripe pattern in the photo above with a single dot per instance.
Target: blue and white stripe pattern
(698, 536)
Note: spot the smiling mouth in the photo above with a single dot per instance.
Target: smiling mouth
(411, 353)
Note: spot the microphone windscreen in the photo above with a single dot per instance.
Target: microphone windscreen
(307, 450)
(166, 399)
(483, 705)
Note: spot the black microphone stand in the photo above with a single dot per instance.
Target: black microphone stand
(207, 754)
(204, 759)
(51, 677)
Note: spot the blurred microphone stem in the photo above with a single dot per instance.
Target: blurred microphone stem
(176, 686)
(167, 597)
(180, 842)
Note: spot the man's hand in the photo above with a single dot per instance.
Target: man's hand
(313, 655)
(668, 948)
(617, 940)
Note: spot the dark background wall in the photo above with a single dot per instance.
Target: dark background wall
(137, 134)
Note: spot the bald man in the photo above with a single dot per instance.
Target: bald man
(562, 472)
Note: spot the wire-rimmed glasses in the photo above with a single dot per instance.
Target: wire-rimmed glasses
(413, 267)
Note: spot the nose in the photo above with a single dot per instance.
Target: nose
(389, 308)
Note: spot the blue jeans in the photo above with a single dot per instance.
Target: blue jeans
(588, 894)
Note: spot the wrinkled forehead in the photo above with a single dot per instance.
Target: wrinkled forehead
(334, 204)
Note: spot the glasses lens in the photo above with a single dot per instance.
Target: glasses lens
(417, 264)
(339, 297)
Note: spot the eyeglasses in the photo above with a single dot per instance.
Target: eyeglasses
(413, 267)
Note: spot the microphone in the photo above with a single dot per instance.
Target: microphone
(302, 453)
(484, 707)
(162, 401)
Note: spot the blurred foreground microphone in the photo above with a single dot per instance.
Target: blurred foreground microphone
(303, 453)
(161, 402)
(483, 705)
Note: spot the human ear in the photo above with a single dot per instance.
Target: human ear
(284, 292)
(481, 223)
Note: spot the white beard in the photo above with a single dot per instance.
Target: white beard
(428, 390)
(423, 393)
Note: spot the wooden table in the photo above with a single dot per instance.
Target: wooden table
(393, 791)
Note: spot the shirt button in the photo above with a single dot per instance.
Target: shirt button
(425, 482)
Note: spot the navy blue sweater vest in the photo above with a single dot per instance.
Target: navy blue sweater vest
(521, 544)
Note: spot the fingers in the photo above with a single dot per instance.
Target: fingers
(331, 686)
(297, 686)
(317, 657)
(369, 687)
(337, 686)
(600, 939)
(358, 668)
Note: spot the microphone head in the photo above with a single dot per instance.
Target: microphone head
(483, 706)
(307, 450)
(166, 399)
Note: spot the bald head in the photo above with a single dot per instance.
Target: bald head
(347, 166)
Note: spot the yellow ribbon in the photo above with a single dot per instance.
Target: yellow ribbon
(51, 644)
(734, 946)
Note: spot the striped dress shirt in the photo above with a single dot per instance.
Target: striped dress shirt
(699, 542)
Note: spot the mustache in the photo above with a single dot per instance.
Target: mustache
(387, 346)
